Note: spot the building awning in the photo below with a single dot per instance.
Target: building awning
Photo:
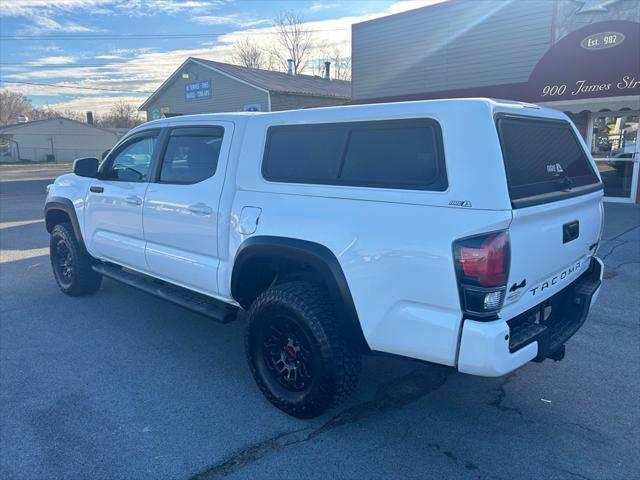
(578, 78)
(612, 104)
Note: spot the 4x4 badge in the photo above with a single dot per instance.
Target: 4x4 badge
(517, 286)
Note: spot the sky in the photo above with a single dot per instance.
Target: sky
(111, 50)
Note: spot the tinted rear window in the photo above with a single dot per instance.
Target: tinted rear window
(302, 154)
(404, 154)
(543, 159)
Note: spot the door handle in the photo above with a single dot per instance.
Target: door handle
(96, 189)
(133, 200)
(200, 209)
(570, 231)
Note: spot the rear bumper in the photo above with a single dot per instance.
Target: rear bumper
(495, 348)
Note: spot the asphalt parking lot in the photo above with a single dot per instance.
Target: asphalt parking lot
(121, 385)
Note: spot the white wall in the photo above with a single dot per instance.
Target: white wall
(451, 45)
(66, 139)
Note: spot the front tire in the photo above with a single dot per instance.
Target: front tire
(71, 264)
(296, 355)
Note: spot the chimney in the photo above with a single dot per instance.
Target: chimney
(327, 70)
(289, 67)
(90, 118)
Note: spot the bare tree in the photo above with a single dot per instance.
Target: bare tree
(12, 105)
(340, 63)
(48, 112)
(248, 54)
(272, 60)
(121, 115)
(294, 41)
(43, 113)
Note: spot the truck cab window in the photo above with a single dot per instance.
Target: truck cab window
(191, 155)
(131, 163)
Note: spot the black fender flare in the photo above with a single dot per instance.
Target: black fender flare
(65, 205)
(318, 257)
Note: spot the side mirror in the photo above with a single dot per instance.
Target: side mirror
(86, 167)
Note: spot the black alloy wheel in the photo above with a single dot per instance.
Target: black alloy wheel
(63, 263)
(297, 356)
(287, 354)
(71, 264)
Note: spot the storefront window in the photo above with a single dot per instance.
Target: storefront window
(614, 146)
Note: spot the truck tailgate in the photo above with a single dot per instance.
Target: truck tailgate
(556, 199)
(551, 245)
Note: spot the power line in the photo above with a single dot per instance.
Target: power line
(151, 36)
(75, 87)
(58, 65)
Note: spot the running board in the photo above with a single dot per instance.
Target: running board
(196, 302)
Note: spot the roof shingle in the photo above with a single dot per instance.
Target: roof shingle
(281, 82)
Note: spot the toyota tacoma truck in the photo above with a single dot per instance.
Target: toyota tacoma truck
(459, 232)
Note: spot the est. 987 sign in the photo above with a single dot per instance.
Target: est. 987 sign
(197, 90)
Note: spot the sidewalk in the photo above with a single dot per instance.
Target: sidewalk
(33, 171)
(619, 218)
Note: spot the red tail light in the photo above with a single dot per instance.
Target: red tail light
(486, 262)
(482, 267)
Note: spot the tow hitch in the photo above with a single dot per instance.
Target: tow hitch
(554, 321)
(558, 354)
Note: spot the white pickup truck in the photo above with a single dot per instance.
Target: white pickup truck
(460, 232)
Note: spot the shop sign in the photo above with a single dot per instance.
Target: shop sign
(584, 64)
(628, 83)
(197, 90)
(600, 41)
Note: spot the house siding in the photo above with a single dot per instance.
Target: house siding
(283, 101)
(65, 139)
(453, 45)
(227, 94)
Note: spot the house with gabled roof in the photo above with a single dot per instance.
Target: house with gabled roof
(54, 139)
(206, 86)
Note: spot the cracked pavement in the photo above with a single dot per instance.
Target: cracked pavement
(121, 385)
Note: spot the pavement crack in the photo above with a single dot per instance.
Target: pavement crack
(454, 458)
(389, 396)
(583, 431)
(621, 234)
(498, 402)
(583, 427)
(614, 248)
(626, 263)
(573, 474)
(249, 455)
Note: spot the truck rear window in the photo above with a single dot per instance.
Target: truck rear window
(544, 160)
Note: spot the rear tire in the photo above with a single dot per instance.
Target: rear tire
(71, 264)
(296, 355)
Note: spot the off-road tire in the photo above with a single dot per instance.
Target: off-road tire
(83, 280)
(337, 367)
